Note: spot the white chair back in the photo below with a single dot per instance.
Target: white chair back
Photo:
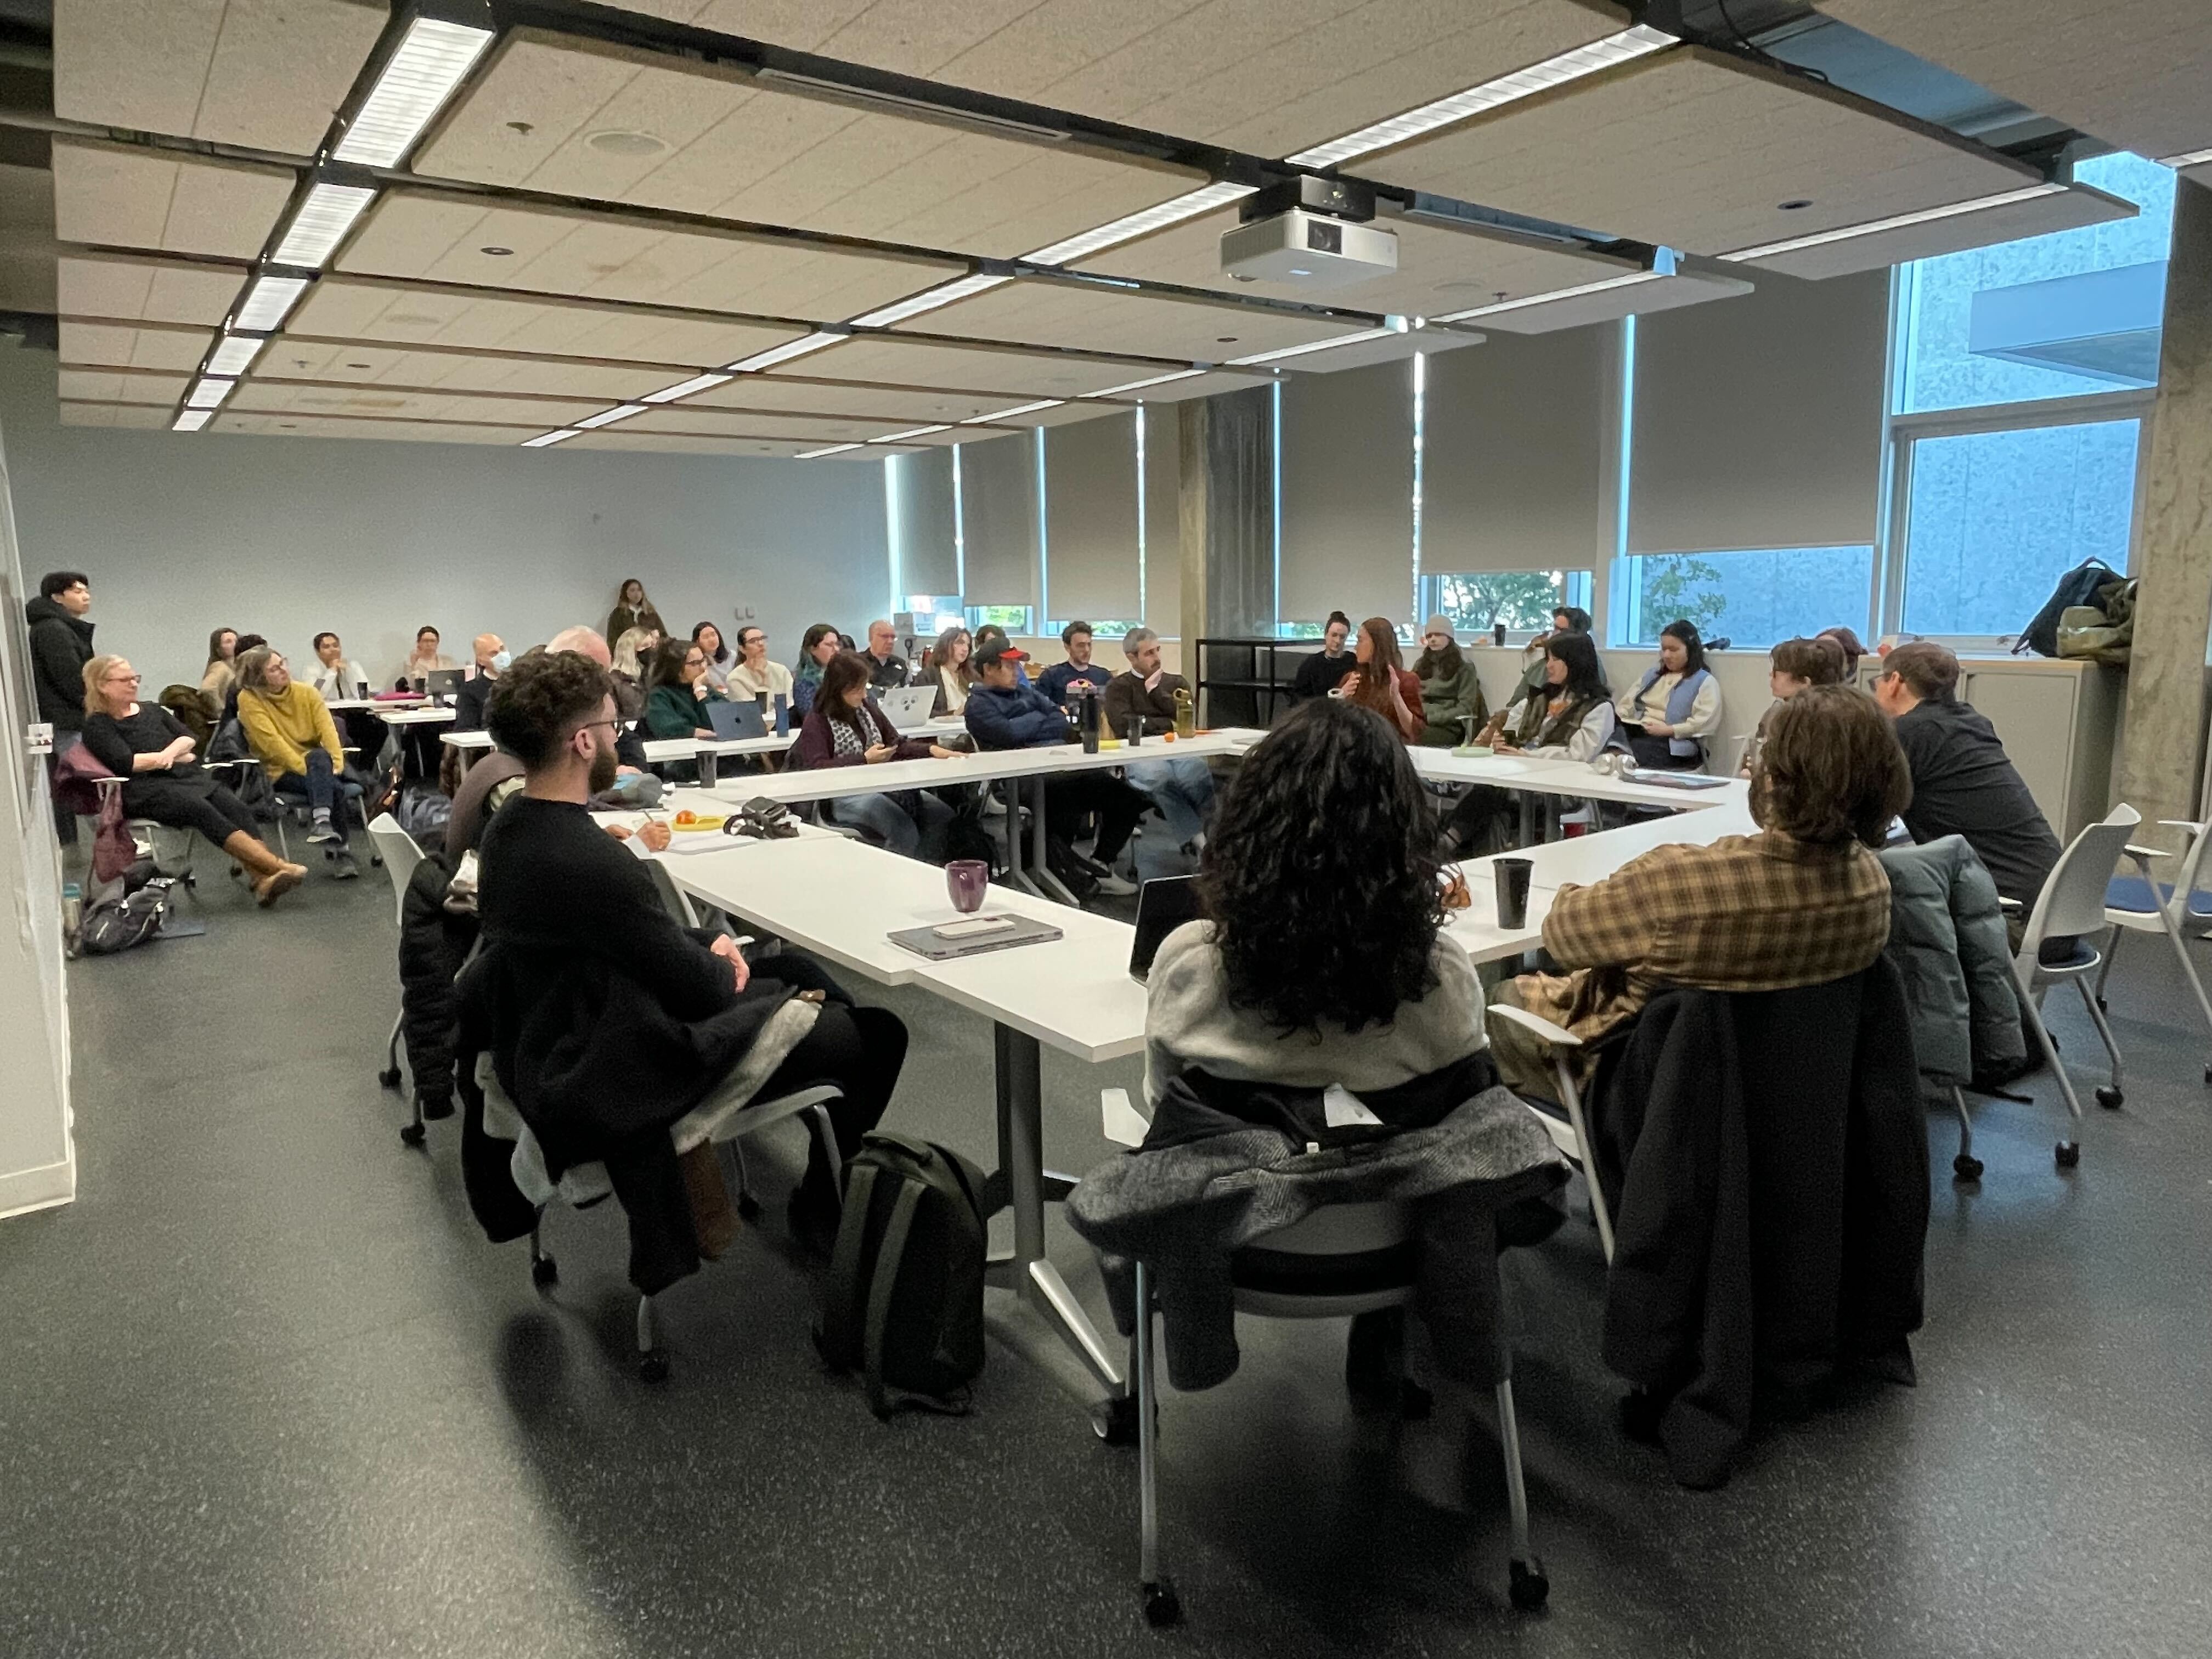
(400, 855)
(2072, 901)
(2187, 878)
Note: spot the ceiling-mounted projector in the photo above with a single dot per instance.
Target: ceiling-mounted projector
(1307, 234)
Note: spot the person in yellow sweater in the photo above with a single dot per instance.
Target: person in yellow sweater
(290, 731)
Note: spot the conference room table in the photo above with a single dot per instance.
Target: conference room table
(840, 899)
(683, 749)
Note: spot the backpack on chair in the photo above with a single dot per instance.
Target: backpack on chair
(904, 1305)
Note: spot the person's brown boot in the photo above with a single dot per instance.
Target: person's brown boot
(272, 877)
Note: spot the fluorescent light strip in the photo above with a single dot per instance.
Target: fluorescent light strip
(234, 353)
(430, 62)
(609, 416)
(833, 449)
(268, 303)
(2194, 158)
(1131, 226)
(1364, 334)
(1903, 220)
(1139, 386)
(1625, 47)
(322, 222)
(914, 305)
(1528, 300)
(1018, 409)
(669, 394)
(545, 440)
(911, 432)
(208, 391)
(784, 353)
(192, 420)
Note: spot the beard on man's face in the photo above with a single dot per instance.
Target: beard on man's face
(603, 768)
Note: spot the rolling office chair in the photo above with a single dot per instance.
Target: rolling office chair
(2140, 904)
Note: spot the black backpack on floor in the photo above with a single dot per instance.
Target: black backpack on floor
(903, 1305)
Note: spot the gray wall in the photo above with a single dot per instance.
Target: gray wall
(285, 537)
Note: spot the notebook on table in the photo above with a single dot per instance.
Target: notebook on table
(973, 935)
(1674, 779)
(733, 720)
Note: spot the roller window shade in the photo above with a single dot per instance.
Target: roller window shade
(1512, 435)
(1757, 420)
(1163, 517)
(1346, 466)
(921, 504)
(999, 519)
(1091, 518)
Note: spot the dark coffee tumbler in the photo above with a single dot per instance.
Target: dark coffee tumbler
(1509, 878)
(966, 880)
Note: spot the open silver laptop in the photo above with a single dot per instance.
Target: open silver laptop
(908, 707)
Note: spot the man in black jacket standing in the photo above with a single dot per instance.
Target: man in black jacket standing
(61, 645)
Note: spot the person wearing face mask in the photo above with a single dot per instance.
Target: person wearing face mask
(607, 1021)
(1323, 672)
(491, 661)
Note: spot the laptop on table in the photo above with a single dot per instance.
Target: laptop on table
(734, 721)
(1164, 904)
(908, 706)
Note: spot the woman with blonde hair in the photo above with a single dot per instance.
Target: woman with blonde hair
(633, 656)
(148, 747)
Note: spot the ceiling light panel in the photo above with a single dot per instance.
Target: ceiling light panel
(2036, 210)
(1378, 346)
(1074, 249)
(121, 346)
(207, 392)
(122, 287)
(234, 353)
(547, 439)
(423, 237)
(1689, 149)
(932, 299)
(1180, 388)
(192, 420)
(321, 223)
(118, 195)
(431, 60)
(268, 300)
(1258, 76)
(1037, 312)
(2135, 73)
(609, 416)
(262, 73)
(1439, 268)
(709, 140)
(405, 314)
(784, 353)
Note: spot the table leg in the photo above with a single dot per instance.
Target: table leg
(1016, 876)
(1040, 865)
(1021, 1178)
(1528, 832)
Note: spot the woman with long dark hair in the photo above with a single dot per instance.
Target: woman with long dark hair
(633, 610)
(678, 693)
(1675, 707)
(1379, 680)
(222, 675)
(718, 656)
(845, 728)
(816, 647)
(949, 671)
(1570, 718)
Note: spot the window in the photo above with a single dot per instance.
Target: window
(1751, 599)
(1994, 518)
(934, 613)
(2055, 316)
(1014, 618)
(1476, 601)
(1107, 630)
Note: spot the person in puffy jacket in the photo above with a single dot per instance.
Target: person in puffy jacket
(1450, 691)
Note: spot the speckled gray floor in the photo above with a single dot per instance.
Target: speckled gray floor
(265, 1390)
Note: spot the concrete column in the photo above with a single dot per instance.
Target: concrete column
(1227, 503)
(2161, 767)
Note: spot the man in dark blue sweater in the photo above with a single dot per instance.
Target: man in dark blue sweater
(1003, 713)
(1060, 681)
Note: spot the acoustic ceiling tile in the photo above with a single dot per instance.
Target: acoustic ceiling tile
(93, 386)
(121, 287)
(582, 118)
(1089, 316)
(617, 438)
(1208, 384)
(817, 429)
(396, 314)
(2135, 73)
(915, 405)
(1696, 150)
(1439, 268)
(118, 195)
(294, 398)
(119, 346)
(279, 425)
(294, 358)
(265, 73)
(2037, 212)
(423, 237)
(1021, 375)
(107, 413)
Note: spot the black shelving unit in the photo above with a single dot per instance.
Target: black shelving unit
(1247, 682)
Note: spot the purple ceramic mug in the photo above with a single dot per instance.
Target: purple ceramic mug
(966, 880)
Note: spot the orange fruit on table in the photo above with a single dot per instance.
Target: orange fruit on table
(687, 815)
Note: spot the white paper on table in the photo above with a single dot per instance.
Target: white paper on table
(1342, 1108)
(1123, 1124)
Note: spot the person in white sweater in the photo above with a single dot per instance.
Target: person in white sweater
(1322, 958)
(1672, 711)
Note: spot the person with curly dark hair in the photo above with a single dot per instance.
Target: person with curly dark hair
(1320, 956)
(1803, 901)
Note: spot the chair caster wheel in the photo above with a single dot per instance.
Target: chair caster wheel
(749, 1208)
(389, 1077)
(2109, 1098)
(2207, 1073)
(1163, 1607)
(1115, 1421)
(1964, 1169)
(2102, 1006)
(2067, 1153)
(1527, 1585)
(653, 1366)
(412, 1134)
(545, 1272)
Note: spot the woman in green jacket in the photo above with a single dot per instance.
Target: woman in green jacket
(676, 704)
(1451, 691)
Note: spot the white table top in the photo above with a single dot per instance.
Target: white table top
(828, 782)
(411, 701)
(1565, 777)
(431, 716)
(466, 740)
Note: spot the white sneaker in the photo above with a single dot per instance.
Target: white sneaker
(1115, 886)
(324, 830)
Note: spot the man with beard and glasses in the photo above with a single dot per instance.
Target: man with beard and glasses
(625, 1018)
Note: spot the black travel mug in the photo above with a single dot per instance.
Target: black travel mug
(1132, 730)
(1497, 633)
(1509, 879)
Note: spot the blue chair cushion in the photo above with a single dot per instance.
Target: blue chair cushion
(2134, 894)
